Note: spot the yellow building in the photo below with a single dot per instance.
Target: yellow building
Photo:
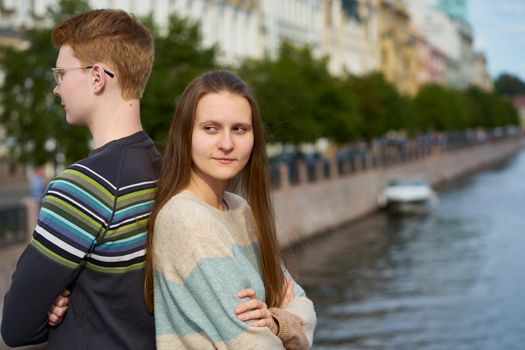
(480, 76)
(396, 44)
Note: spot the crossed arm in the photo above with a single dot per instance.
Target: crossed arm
(285, 325)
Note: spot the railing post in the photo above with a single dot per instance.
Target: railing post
(284, 173)
(319, 171)
(32, 207)
(303, 175)
(334, 171)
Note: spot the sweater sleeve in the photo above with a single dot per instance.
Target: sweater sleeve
(65, 231)
(291, 330)
(293, 336)
(196, 277)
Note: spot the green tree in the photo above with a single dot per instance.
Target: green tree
(300, 101)
(508, 84)
(380, 104)
(489, 109)
(179, 57)
(30, 113)
(436, 107)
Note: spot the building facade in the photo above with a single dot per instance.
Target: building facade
(397, 54)
(349, 36)
(410, 41)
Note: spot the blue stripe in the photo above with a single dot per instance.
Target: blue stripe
(136, 241)
(206, 300)
(78, 193)
(133, 210)
(66, 227)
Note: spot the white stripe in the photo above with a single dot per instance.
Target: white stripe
(85, 167)
(86, 210)
(119, 258)
(129, 220)
(139, 184)
(59, 243)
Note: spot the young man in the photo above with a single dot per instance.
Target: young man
(91, 233)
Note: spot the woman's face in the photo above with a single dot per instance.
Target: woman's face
(222, 139)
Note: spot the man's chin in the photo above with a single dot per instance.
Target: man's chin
(74, 121)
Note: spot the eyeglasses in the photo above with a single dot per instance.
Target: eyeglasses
(58, 73)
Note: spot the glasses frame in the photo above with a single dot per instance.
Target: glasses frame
(58, 73)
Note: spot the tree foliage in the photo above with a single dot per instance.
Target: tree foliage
(508, 84)
(31, 115)
(300, 101)
(179, 57)
(490, 109)
(439, 108)
(380, 104)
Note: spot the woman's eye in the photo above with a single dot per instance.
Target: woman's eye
(240, 129)
(210, 128)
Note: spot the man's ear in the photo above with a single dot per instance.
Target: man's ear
(98, 79)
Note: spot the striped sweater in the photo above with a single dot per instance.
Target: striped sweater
(202, 256)
(90, 237)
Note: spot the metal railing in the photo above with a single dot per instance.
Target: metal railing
(13, 225)
(295, 168)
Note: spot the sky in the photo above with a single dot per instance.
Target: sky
(499, 31)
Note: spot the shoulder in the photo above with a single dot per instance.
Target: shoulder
(183, 206)
(186, 213)
(80, 180)
(123, 162)
(235, 201)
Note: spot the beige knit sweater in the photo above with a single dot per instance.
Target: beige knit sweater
(202, 256)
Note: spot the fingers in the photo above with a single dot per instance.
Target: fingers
(55, 314)
(247, 293)
(288, 292)
(52, 319)
(255, 311)
(58, 309)
(289, 289)
(266, 322)
(289, 286)
(257, 314)
(250, 305)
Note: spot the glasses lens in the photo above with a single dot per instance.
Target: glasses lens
(57, 75)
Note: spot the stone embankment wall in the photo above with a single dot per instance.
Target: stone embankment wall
(310, 208)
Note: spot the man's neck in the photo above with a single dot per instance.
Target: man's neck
(121, 119)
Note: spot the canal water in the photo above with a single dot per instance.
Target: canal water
(454, 279)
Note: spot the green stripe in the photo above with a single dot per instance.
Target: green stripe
(73, 215)
(135, 197)
(120, 269)
(90, 185)
(69, 209)
(140, 192)
(128, 229)
(52, 255)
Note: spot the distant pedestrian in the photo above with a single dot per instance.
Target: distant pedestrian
(37, 183)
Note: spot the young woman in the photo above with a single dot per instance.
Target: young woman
(207, 243)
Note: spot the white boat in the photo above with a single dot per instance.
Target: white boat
(408, 196)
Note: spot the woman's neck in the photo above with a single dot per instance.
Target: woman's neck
(211, 191)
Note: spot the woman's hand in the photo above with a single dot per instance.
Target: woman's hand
(255, 311)
(58, 309)
(288, 292)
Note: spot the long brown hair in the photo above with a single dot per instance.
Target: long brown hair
(176, 171)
